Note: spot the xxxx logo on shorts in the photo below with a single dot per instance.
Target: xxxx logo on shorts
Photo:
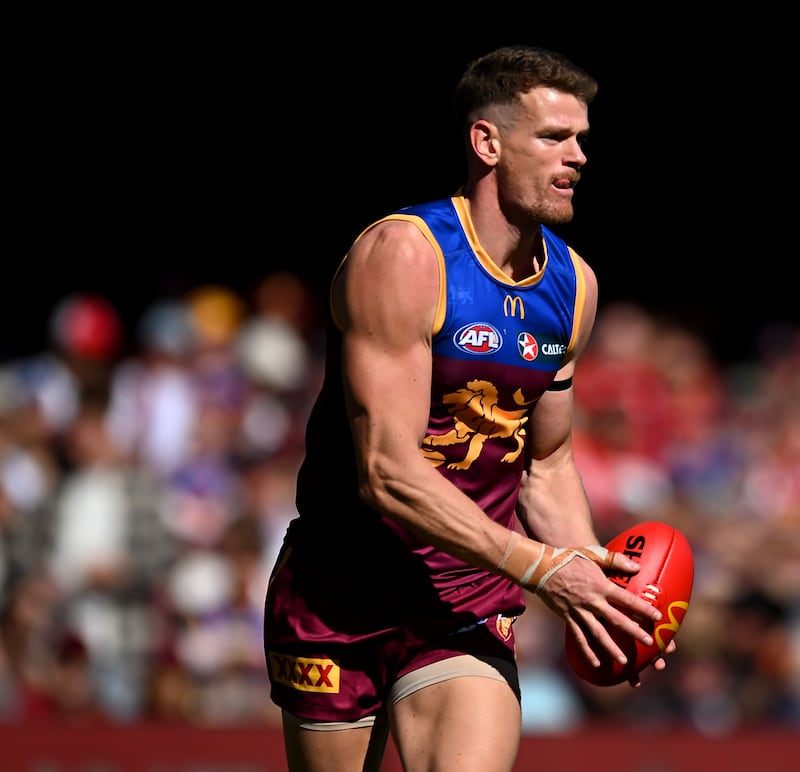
(307, 674)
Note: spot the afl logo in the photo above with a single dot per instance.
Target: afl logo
(478, 338)
(527, 346)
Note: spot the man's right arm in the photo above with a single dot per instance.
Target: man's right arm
(385, 298)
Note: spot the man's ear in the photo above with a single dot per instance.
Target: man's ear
(485, 141)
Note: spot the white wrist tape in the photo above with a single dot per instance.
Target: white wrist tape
(563, 555)
(531, 563)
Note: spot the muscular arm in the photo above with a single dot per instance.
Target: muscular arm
(386, 299)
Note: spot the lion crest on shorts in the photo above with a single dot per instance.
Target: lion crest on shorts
(503, 626)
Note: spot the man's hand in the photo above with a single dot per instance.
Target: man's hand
(573, 584)
(582, 595)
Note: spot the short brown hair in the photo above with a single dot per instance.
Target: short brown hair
(500, 76)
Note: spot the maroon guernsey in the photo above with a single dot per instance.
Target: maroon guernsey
(355, 598)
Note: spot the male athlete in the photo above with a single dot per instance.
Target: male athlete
(444, 422)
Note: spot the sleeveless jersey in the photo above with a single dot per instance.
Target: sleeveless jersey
(497, 345)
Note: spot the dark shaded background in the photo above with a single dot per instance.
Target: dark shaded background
(153, 153)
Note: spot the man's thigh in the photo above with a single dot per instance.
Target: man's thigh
(469, 722)
(334, 747)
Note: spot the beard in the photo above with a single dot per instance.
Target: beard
(540, 212)
(552, 212)
(533, 207)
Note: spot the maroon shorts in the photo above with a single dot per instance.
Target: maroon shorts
(348, 683)
(340, 631)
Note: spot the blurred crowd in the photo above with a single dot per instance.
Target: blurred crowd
(147, 474)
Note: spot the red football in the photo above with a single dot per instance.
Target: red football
(665, 580)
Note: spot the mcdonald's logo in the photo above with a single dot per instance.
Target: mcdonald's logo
(511, 304)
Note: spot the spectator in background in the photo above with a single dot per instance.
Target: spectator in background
(279, 349)
(86, 336)
(153, 406)
(106, 550)
(623, 415)
(28, 640)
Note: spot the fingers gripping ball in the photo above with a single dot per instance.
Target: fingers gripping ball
(665, 579)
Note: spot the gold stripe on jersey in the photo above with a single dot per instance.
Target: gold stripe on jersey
(580, 297)
(441, 306)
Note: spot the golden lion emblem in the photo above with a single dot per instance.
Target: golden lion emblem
(478, 419)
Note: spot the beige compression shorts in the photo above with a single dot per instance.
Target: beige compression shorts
(436, 672)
